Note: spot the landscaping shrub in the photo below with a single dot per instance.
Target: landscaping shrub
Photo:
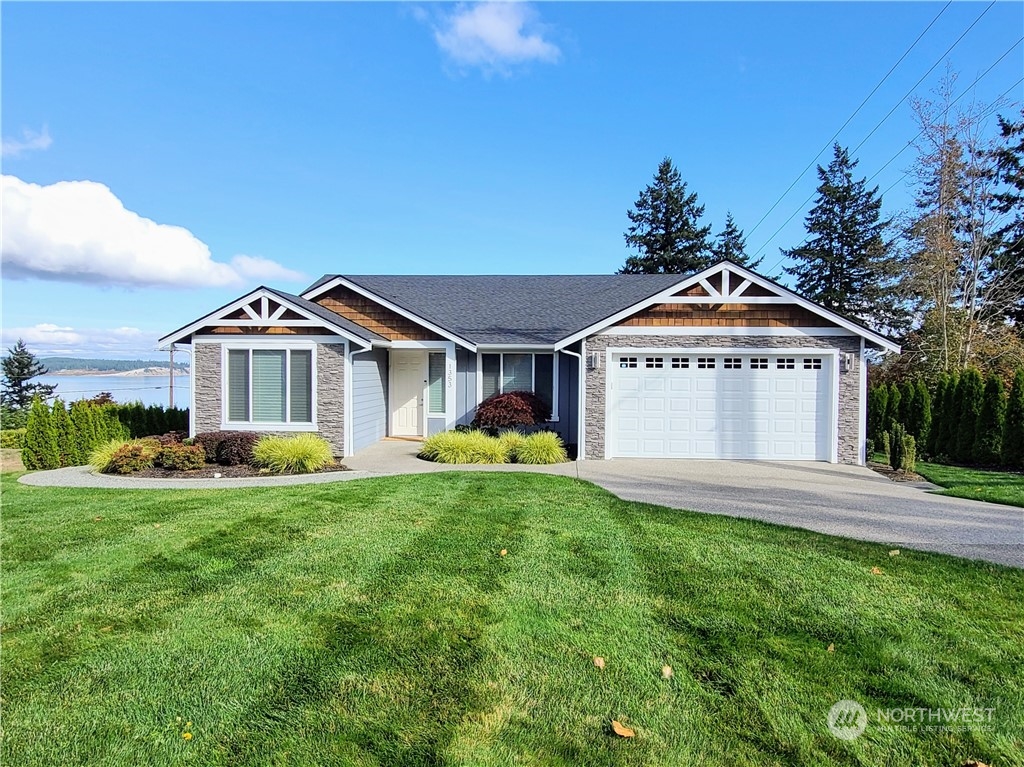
(181, 457)
(210, 442)
(909, 453)
(516, 408)
(971, 395)
(897, 447)
(950, 418)
(83, 419)
(11, 418)
(41, 450)
(886, 444)
(236, 448)
(988, 433)
(133, 456)
(511, 440)
(12, 439)
(892, 406)
(933, 444)
(878, 401)
(464, 447)
(67, 441)
(300, 454)
(541, 447)
(1013, 426)
(99, 456)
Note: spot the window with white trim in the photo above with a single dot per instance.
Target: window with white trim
(654, 362)
(436, 365)
(758, 363)
(785, 363)
(812, 363)
(518, 371)
(732, 363)
(270, 386)
(705, 363)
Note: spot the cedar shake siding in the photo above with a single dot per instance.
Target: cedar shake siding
(849, 382)
(727, 315)
(372, 316)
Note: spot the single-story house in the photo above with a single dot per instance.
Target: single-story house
(720, 364)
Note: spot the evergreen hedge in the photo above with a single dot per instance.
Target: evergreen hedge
(41, 450)
(1013, 425)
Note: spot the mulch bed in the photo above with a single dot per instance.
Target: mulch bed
(896, 476)
(207, 472)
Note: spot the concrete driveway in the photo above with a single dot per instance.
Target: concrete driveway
(850, 501)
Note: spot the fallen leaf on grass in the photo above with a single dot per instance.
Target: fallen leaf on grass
(599, 662)
(894, 553)
(622, 730)
(97, 519)
(666, 672)
(107, 628)
(876, 570)
(831, 648)
(503, 552)
(974, 763)
(156, 524)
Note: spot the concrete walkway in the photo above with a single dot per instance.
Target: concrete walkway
(849, 501)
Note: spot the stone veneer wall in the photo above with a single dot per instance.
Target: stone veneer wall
(330, 390)
(849, 382)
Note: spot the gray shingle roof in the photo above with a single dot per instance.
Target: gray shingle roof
(513, 309)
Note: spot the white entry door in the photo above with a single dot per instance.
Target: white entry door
(693, 404)
(408, 380)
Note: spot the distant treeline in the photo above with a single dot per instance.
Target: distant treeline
(56, 364)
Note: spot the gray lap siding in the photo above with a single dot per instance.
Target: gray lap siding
(369, 398)
(849, 381)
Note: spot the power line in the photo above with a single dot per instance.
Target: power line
(901, 151)
(850, 118)
(877, 126)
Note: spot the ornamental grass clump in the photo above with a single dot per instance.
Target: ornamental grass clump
(300, 454)
(540, 448)
(102, 454)
(512, 440)
(464, 447)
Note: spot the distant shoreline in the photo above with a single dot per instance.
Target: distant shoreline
(137, 373)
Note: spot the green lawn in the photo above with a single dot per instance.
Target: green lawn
(375, 623)
(977, 484)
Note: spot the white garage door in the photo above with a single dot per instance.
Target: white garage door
(685, 404)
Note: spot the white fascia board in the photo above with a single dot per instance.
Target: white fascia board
(342, 282)
(263, 294)
(709, 330)
(746, 274)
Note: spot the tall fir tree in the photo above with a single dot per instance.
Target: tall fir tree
(41, 450)
(1013, 426)
(988, 436)
(971, 392)
(665, 228)
(731, 244)
(846, 263)
(1008, 261)
(19, 367)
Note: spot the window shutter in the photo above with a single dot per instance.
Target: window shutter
(518, 373)
(238, 385)
(435, 383)
(267, 386)
(490, 375)
(301, 373)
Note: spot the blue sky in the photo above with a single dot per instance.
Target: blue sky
(214, 147)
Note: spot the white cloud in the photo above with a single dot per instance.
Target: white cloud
(30, 141)
(79, 231)
(48, 339)
(494, 36)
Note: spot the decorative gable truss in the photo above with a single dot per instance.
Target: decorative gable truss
(263, 311)
(729, 297)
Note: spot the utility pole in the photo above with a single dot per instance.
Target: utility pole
(171, 389)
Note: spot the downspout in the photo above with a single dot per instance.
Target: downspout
(349, 415)
(580, 405)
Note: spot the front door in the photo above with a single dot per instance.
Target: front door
(408, 380)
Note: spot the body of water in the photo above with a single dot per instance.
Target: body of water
(150, 390)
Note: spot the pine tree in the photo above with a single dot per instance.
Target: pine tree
(971, 392)
(731, 244)
(846, 265)
(67, 440)
(19, 367)
(665, 228)
(1013, 426)
(988, 435)
(1008, 260)
(878, 400)
(41, 450)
